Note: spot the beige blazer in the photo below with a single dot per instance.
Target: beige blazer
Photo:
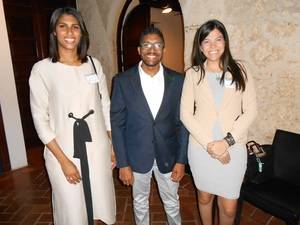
(238, 109)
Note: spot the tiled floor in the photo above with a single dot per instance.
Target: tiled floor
(25, 200)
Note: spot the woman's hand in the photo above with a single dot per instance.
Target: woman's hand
(113, 158)
(224, 158)
(71, 172)
(112, 154)
(217, 148)
(68, 167)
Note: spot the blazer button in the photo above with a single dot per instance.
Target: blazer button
(166, 164)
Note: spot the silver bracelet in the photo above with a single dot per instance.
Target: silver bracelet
(229, 139)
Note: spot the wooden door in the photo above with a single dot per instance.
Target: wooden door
(27, 25)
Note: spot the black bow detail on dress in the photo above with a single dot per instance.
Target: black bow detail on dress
(81, 133)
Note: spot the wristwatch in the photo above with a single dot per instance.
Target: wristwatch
(229, 139)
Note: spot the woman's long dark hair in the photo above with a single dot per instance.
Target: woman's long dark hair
(227, 63)
(84, 42)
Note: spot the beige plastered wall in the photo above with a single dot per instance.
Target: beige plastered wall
(263, 33)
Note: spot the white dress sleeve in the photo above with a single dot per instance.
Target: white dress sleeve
(105, 99)
(39, 103)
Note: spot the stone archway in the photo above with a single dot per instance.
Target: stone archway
(170, 24)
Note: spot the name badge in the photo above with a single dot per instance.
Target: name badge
(92, 78)
(228, 83)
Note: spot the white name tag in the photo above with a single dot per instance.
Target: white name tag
(228, 84)
(92, 78)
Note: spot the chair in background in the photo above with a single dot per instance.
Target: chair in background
(279, 193)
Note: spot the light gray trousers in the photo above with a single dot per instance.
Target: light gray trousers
(167, 191)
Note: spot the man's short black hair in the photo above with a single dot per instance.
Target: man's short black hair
(152, 30)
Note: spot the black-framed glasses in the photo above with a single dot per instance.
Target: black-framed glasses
(155, 45)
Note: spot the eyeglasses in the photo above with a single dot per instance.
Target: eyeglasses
(155, 45)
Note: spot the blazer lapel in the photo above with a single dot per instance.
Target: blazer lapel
(167, 92)
(141, 99)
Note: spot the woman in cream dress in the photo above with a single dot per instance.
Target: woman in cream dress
(66, 83)
(218, 105)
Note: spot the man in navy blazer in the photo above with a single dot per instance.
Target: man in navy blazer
(147, 133)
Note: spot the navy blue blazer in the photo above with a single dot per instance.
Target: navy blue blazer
(137, 137)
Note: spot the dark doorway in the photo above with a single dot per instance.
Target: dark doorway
(4, 158)
(136, 21)
(146, 13)
(27, 25)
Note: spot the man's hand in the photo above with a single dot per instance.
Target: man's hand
(178, 172)
(126, 175)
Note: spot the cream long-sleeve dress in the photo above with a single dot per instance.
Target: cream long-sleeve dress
(56, 90)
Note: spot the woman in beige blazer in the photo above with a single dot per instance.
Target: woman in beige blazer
(70, 107)
(217, 107)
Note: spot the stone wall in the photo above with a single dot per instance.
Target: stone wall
(101, 18)
(263, 33)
